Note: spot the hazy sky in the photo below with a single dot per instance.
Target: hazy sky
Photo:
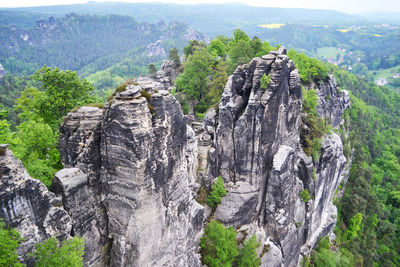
(349, 6)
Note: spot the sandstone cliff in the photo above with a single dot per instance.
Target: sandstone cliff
(133, 169)
(255, 136)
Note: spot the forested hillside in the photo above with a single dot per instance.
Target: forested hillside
(89, 43)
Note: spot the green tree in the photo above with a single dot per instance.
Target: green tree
(248, 256)
(38, 150)
(217, 48)
(193, 81)
(219, 79)
(218, 245)
(257, 46)
(60, 91)
(10, 240)
(192, 46)
(240, 52)
(152, 69)
(217, 192)
(174, 56)
(68, 254)
(239, 35)
(354, 226)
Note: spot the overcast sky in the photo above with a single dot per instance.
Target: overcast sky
(349, 6)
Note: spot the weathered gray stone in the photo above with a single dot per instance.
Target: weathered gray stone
(256, 141)
(147, 174)
(239, 205)
(28, 206)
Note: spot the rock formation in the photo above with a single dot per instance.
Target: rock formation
(167, 74)
(256, 149)
(132, 171)
(27, 205)
(2, 72)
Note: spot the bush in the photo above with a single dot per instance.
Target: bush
(313, 127)
(248, 255)
(9, 242)
(217, 192)
(69, 254)
(305, 195)
(146, 95)
(218, 245)
(264, 81)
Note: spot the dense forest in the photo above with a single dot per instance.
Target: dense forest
(114, 45)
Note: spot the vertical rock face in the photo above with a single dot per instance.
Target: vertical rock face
(134, 174)
(153, 218)
(27, 205)
(167, 74)
(256, 150)
(2, 72)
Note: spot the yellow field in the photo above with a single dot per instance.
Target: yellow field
(377, 35)
(344, 30)
(323, 26)
(271, 26)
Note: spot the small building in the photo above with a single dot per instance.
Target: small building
(396, 75)
(381, 82)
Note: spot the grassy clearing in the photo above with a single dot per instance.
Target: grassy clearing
(385, 73)
(329, 52)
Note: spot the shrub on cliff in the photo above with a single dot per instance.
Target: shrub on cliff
(248, 255)
(305, 195)
(69, 254)
(9, 242)
(217, 192)
(313, 127)
(218, 245)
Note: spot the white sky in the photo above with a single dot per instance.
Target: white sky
(349, 6)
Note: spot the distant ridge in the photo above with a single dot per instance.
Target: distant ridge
(211, 19)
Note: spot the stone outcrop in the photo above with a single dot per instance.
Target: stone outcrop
(2, 72)
(27, 205)
(167, 74)
(255, 148)
(132, 171)
(331, 102)
(146, 172)
(155, 49)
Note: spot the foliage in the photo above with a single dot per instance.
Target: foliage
(174, 57)
(354, 226)
(68, 254)
(323, 256)
(264, 81)
(218, 245)
(313, 127)
(217, 192)
(217, 48)
(310, 69)
(217, 85)
(248, 255)
(193, 81)
(206, 68)
(192, 47)
(305, 195)
(38, 150)
(152, 69)
(10, 240)
(59, 92)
